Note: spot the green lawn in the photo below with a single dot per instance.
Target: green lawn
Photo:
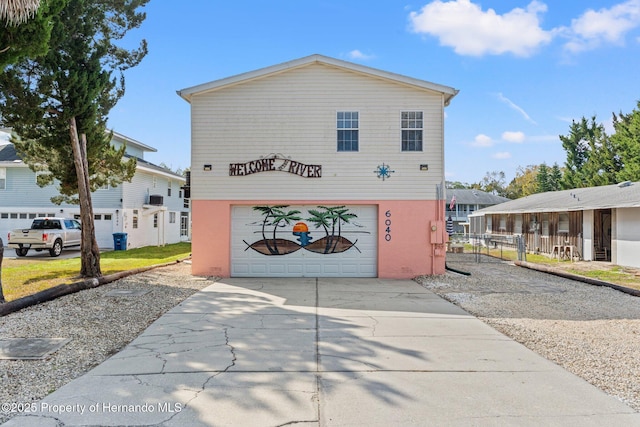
(25, 276)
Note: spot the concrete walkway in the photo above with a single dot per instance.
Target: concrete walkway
(335, 352)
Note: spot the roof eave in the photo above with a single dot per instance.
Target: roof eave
(188, 93)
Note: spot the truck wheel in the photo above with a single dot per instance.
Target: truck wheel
(22, 251)
(56, 250)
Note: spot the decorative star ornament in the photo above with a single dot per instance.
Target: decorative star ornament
(383, 171)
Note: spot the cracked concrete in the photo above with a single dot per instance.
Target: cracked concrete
(316, 352)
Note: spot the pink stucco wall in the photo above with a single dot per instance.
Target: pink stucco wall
(407, 245)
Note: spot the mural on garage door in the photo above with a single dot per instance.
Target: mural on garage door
(279, 222)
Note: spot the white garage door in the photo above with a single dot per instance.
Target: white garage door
(304, 241)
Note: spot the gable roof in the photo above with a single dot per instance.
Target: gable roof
(623, 195)
(474, 197)
(188, 93)
(8, 153)
(132, 142)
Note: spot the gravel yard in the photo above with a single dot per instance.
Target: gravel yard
(98, 325)
(591, 331)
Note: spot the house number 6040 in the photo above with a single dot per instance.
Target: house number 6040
(387, 223)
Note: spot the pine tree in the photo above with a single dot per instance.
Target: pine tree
(542, 179)
(58, 105)
(555, 178)
(591, 157)
(626, 145)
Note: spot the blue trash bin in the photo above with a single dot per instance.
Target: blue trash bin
(119, 241)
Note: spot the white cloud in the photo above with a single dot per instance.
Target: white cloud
(502, 155)
(520, 110)
(593, 28)
(517, 137)
(482, 140)
(356, 54)
(469, 30)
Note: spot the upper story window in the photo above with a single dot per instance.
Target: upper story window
(3, 178)
(412, 125)
(347, 125)
(169, 188)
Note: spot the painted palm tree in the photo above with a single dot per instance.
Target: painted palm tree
(17, 11)
(269, 213)
(342, 215)
(321, 219)
(279, 216)
(332, 214)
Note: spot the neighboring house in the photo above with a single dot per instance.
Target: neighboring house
(463, 202)
(318, 167)
(598, 223)
(151, 208)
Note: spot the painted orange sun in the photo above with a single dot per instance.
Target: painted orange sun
(300, 227)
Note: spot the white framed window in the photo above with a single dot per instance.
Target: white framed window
(517, 229)
(168, 188)
(563, 223)
(545, 224)
(489, 223)
(155, 220)
(412, 126)
(503, 223)
(347, 124)
(172, 217)
(3, 178)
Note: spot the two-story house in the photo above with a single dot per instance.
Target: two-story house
(463, 202)
(318, 167)
(151, 208)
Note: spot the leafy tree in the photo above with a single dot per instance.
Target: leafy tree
(626, 144)
(29, 38)
(493, 182)
(58, 103)
(524, 183)
(457, 185)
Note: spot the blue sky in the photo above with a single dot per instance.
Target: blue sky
(524, 69)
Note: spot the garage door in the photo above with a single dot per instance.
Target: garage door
(304, 241)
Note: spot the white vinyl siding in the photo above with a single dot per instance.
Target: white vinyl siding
(307, 99)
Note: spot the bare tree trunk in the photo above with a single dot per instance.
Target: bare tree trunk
(2, 300)
(89, 250)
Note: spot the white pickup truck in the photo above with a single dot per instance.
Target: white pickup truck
(46, 233)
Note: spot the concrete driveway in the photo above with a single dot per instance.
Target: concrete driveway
(335, 352)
